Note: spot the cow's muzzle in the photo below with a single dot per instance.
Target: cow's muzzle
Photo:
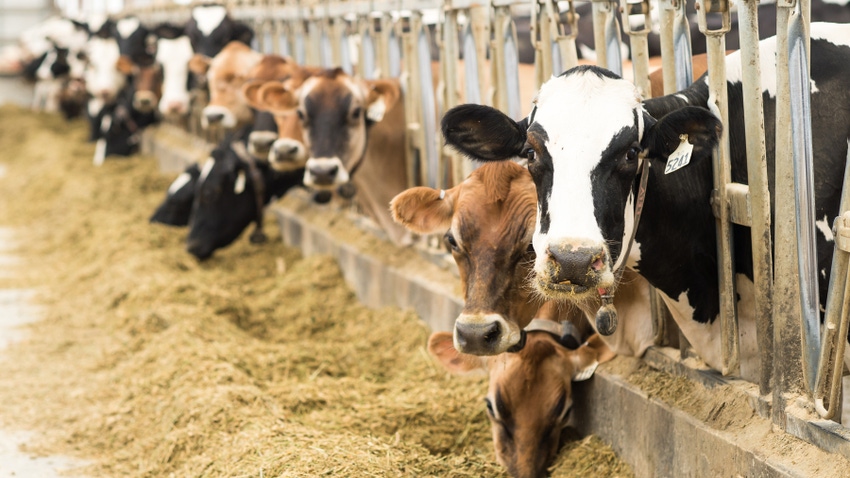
(569, 271)
(145, 101)
(260, 143)
(287, 154)
(325, 173)
(486, 334)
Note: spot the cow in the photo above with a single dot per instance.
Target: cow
(225, 75)
(133, 43)
(211, 28)
(118, 132)
(350, 126)
(586, 164)
(57, 46)
(488, 222)
(230, 193)
(529, 397)
(173, 53)
(102, 77)
(176, 208)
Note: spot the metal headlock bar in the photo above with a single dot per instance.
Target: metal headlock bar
(389, 39)
(718, 104)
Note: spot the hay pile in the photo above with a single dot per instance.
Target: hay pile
(151, 364)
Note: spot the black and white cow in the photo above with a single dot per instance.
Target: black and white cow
(132, 38)
(173, 53)
(211, 28)
(227, 199)
(176, 208)
(586, 140)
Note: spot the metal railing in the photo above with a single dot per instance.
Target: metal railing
(392, 38)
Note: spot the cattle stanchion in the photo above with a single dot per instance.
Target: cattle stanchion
(504, 63)
(682, 47)
(638, 39)
(758, 193)
(718, 103)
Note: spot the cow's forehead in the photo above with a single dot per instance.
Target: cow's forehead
(208, 17)
(322, 89)
(178, 50)
(584, 111)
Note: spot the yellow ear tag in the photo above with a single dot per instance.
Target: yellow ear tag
(681, 156)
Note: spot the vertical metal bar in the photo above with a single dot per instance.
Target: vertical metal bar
(460, 168)
(541, 36)
(472, 89)
(682, 47)
(667, 14)
(567, 40)
(366, 64)
(718, 104)
(801, 135)
(759, 196)
(613, 40)
(417, 172)
(834, 341)
(427, 112)
(601, 9)
(640, 49)
(787, 347)
(479, 21)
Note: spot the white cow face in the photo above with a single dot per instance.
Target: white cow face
(103, 80)
(174, 55)
(585, 142)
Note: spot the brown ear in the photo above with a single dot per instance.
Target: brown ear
(441, 347)
(421, 209)
(199, 64)
(251, 90)
(274, 97)
(382, 96)
(125, 65)
(586, 358)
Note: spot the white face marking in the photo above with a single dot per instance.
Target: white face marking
(102, 77)
(174, 56)
(239, 185)
(825, 228)
(602, 108)
(178, 183)
(99, 152)
(127, 26)
(209, 17)
(96, 21)
(207, 169)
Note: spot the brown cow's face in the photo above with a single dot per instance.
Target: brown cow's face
(490, 221)
(227, 73)
(529, 396)
(148, 85)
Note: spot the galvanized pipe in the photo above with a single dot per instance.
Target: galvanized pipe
(640, 49)
(759, 195)
(718, 104)
(682, 47)
(601, 9)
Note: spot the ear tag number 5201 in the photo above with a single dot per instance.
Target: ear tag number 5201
(681, 157)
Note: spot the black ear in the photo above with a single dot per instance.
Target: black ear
(243, 33)
(702, 127)
(483, 133)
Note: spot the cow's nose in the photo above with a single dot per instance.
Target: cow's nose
(479, 339)
(175, 107)
(264, 143)
(198, 249)
(575, 265)
(324, 175)
(215, 117)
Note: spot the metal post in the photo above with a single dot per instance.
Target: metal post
(718, 104)
(601, 10)
(640, 49)
(787, 345)
(450, 53)
(542, 27)
(667, 15)
(758, 188)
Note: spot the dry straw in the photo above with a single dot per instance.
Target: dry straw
(256, 363)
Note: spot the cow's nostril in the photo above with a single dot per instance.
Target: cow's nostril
(492, 336)
(215, 118)
(292, 150)
(575, 265)
(478, 338)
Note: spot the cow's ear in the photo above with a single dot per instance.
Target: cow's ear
(251, 90)
(424, 210)
(441, 347)
(199, 64)
(243, 33)
(586, 358)
(483, 133)
(699, 124)
(381, 96)
(274, 97)
(126, 66)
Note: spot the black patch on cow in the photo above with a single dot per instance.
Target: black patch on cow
(596, 70)
(542, 172)
(483, 133)
(176, 208)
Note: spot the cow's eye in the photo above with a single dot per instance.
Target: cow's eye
(633, 153)
(450, 240)
(489, 407)
(530, 249)
(530, 154)
(300, 114)
(355, 114)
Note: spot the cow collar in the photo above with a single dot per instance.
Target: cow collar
(606, 316)
(565, 332)
(258, 236)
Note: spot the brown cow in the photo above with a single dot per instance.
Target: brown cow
(529, 396)
(226, 73)
(335, 112)
(490, 220)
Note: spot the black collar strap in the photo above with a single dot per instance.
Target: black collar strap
(258, 236)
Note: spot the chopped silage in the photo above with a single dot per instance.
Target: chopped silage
(151, 364)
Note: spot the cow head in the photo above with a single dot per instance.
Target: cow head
(529, 396)
(335, 112)
(103, 77)
(263, 135)
(210, 29)
(226, 75)
(176, 208)
(132, 39)
(585, 141)
(490, 220)
(173, 53)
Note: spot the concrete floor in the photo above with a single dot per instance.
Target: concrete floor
(17, 310)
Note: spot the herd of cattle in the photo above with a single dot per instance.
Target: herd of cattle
(568, 220)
